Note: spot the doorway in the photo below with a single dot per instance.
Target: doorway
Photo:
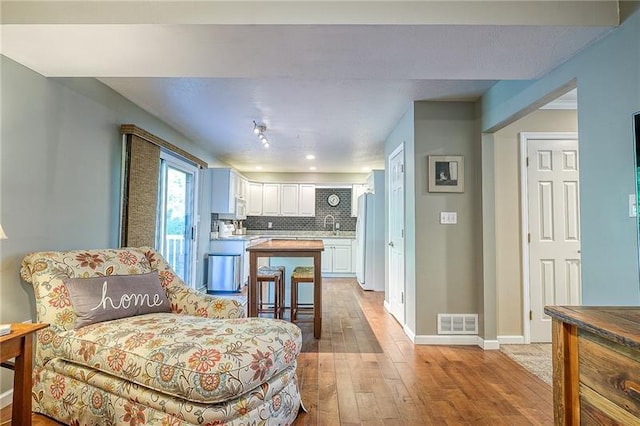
(551, 227)
(176, 221)
(396, 234)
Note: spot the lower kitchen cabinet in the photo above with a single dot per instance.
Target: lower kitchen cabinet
(337, 257)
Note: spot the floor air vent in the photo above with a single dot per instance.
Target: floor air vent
(457, 323)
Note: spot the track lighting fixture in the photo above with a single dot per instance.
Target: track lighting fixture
(260, 129)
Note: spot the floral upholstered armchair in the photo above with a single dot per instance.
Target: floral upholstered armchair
(193, 360)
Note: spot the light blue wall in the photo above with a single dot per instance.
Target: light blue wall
(60, 149)
(404, 133)
(608, 80)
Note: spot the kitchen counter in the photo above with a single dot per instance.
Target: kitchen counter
(314, 235)
(302, 234)
(236, 238)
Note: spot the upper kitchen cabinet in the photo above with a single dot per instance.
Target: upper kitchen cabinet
(271, 199)
(290, 199)
(254, 201)
(286, 199)
(228, 193)
(307, 200)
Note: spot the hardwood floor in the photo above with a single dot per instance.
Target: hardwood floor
(365, 371)
(406, 384)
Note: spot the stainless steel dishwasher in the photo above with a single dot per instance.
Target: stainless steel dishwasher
(224, 272)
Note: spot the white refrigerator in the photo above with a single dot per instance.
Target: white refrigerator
(370, 242)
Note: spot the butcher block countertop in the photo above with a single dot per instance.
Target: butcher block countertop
(616, 323)
(288, 245)
(596, 365)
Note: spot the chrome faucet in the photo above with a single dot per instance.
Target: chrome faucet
(333, 219)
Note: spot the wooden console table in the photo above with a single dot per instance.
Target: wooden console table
(288, 248)
(17, 344)
(596, 365)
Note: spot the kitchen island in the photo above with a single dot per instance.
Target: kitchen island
(288, 248)
(596, 364)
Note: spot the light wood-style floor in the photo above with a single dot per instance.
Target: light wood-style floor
(365, 371)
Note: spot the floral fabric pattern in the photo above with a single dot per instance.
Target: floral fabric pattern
(198, 359)
(203, 363)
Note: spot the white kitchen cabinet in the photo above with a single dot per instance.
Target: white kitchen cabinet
(342, 258)
(307, 200)
(271, 199)
(226, 193)
(242, 188)
(327, 260)
(289, 199)
(254, 199)
(283, 199)
(356, 191)
(337, 257)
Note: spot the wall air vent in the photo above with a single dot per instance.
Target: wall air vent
(457, 323)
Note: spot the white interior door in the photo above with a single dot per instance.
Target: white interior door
(396, 234)
(554, 228)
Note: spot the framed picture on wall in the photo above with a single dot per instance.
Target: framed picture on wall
(446, 173)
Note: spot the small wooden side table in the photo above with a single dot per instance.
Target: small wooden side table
(18, 344)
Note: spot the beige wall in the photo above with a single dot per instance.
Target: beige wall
(447, 257)
(507, 211)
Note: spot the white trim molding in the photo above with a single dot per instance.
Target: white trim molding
(446, 340)
(488, 345)
(6, 398)
(457, 340)
(410, 334)
(387, 307)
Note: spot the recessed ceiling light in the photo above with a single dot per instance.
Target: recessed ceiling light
(258, 167)
(312, 168)
(310, 157)
(365, 169)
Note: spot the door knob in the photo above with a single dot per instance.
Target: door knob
(390, 243)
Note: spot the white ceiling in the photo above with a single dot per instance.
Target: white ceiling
(335, 91)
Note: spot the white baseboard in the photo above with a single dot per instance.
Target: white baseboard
(462, 340)
(410, 333)
(387, 307)
(6, 398)
(446, 340)
(511, 340)
(488, 345)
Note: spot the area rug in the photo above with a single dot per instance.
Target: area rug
(535, 358)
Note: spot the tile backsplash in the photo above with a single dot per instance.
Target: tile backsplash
(342, 214)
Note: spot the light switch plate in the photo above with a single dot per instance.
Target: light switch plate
(448, 218)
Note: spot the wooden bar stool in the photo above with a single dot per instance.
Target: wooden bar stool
(275, 275)
(301, 274)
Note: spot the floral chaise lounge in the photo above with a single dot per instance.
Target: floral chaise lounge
(197, 361)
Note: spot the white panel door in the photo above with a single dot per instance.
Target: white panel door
(396, 234)
(554, 228)
(289, 199)
(271, 199)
